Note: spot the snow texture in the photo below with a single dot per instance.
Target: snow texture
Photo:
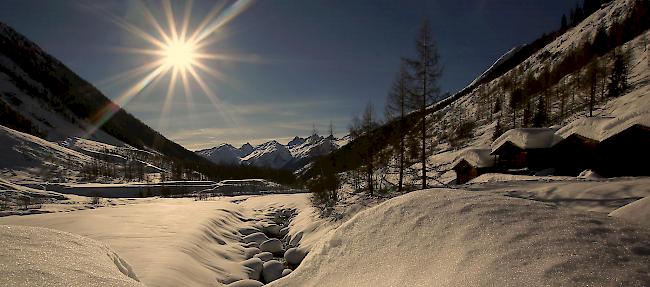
(476, 239)
(33, 256)
(476, 157)
(527, 138)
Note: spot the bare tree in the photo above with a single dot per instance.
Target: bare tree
(368, 124)
(426, 71)
(396, 109)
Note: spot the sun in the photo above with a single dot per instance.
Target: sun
(177, 50)
(179, 55)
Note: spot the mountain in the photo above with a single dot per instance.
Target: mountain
(296, 154)
(270, 154)
(51, 101)
(43, 104)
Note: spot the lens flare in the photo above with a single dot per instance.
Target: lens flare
(175, 49)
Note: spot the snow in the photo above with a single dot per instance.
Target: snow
(508, 55)
(272, 245)
(476, 157)
(34, 256)
(527, 138)
(172, 242)
(271, 154)
(637, 212)
(589, 174)
(222, 154)
(294, 155)
(272, 270)
(460, 238)
(182, 242)
(601, 128)
(36, 158)
(595, 195)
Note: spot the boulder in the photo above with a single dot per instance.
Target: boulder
(250, 252)
(286, 272)
(253, 268)
(284, 232)
(257, 237)
(264, 256)
(273, 229)
(272, 245)
(251, 244)
(295, 255)
(248, 231)
(272, 270)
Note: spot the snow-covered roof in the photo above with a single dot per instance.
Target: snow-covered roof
(601, 128)
(527, 138)
(476, 157)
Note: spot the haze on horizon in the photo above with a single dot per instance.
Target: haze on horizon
(290, 64)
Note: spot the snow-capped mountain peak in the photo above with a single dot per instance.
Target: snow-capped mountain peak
(294, 155)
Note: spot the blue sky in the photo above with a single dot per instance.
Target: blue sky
(300, 62)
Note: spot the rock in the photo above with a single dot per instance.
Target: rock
(272, 270)
(254, 268)
(258, 237)
(273, 229)
(286, 272)
(250, 252)
(264, 256)
(246, 283)
(272, 245)
(248, 231)
(284, 232)
(295, 240)
(251, 244)
(295, 255)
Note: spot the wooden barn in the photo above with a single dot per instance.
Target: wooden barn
(626, 153)
(472, 163)
(524, 149)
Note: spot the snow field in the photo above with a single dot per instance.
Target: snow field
(442, 237)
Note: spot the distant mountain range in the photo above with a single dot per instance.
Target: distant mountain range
(296, 154)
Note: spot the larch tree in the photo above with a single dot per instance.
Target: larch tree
(396, 109)
(368, 124)
(426, 70)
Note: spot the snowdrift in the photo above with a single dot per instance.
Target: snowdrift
(444, 237)
(29, 255)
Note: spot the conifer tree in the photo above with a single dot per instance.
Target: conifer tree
(541, 118)
(618, 77)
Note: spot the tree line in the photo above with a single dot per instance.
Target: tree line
(587, 74)
(414, 89)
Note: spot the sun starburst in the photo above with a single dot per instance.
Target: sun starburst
(176, 50)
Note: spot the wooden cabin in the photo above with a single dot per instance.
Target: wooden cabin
(574, 154)
(524, 149)
(472, 163)
(626, 153)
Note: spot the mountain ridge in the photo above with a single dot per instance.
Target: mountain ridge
(294, 155)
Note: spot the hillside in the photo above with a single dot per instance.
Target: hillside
(555, 74)
(47, 99)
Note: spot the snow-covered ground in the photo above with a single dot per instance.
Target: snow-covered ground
(443, 237)
(181, 242)
(495, 230)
